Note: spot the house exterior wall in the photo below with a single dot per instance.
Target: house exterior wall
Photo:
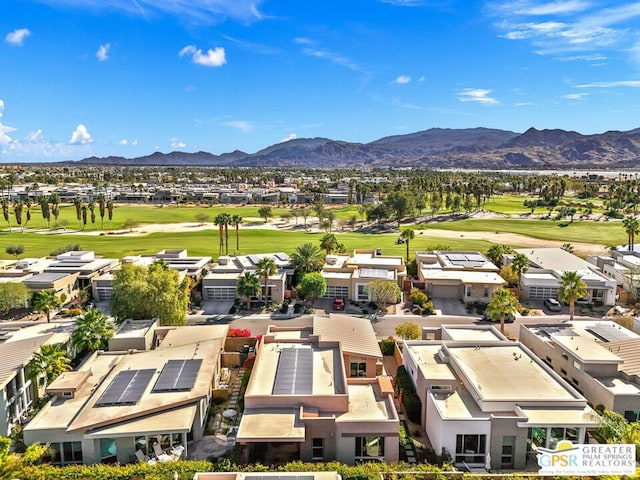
(507, 426)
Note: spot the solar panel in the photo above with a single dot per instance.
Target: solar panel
(456, 257)
(475, 257)
(253, 259)
(609, 333)
(374, 273)
(126, 388)
(178, 376)
(294, 373)
(282, 256)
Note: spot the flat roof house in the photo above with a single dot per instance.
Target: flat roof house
(487, 401)
(84, 263)
(117, 403)
(61, 283)
(467, 276)
(348, 276)
(600, 358)
(18, 345)
(544, 277)
(221, 283)
(315, 394)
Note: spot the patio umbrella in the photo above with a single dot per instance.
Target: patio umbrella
(487, 463)
(229, 413)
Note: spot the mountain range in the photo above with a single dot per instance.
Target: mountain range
(436, 148)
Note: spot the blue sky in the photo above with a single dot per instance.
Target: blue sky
(130, 77)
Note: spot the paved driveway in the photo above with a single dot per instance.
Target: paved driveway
(451, 306)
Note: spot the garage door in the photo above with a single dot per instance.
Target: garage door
(336, 291)
(445, 291)
(541, 293)
(220, 293)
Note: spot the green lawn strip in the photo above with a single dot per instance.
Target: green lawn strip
(205, 242)
(605, 233)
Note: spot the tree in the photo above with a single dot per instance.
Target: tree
(329, 243)
(312, 286)
(614, 428)
(567, 247)
(102, 205)
(400, 204)
(306, 258)
(15, 250)
(408, 235)
(502, 304)
(17, 211)
(248, 286)
(384, 292)
(495, 252)
(45, 301)
(265, 268)
(632, 228)
(304, 213)
(202, 218)
(92, 331)
(226, 222)
(77, 203)
(154, 292)
(54, 200)
(519, 265)
(110, 207)
(130, 224)
(265, 212)
(571, 288)
(49, 362)
(219, 221)
(12, 295)
(236, 220)
(408, 330)
(83, 215)
(5, 211)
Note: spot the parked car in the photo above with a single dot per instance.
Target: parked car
(509, 318)
(552, 305)
(583, 302)
(338, 303)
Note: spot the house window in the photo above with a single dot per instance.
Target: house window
(576, 365)
(362, 292)
(72, 452)
(561, 433)
(358, 367)
(471, 448)
(467, 290)
(369, 448)
(108, 450)
(508, 446)
(575, 382)
(485, 292)
(548, 360)
(317, 449)
(563, 372)
(632, 415)
(565, 356)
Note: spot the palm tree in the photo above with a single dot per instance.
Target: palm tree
(49, 362)
(92, 331)
(502, 304)
(519, 265)
(495, 252)
(631, 227)
(329, 243)
(408, 235)
(102, 205)
(249, 286)
(54, 200)
(220, 221)
(77, 203)
(236, 220)
(45, 301)
(110, 206)
(572, 288)
(265, 268)
(227, 221)
(5, 211)
(27, 205)
(567, 247)
(307, 258)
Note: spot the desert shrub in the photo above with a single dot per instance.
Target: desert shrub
(387, 346)
(418, 297)
(410, 400)
(428, 308)
(297, 308)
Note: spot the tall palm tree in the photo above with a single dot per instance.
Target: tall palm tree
(265, 268)
(17, 210)
(27, 205)
(632, 228)
(572, 288)
(408, 235)
(307, 258)
(93, 330)
(329, 243)
(236, 220)
(502, 304)
(49, 362)
(77, 203)
(5, 211)
(220, 221)
(249, 286)
(519, 265)
(110, 207)
(54, 200)
(102, 205)
(45, 301)
(227, 221)
(495, 252)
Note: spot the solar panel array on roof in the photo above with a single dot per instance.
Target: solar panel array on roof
(609, 333)
(253, 259)
(475, 257)
(471, 260)
(126, 388)
(456, 257)
(294, 373)
(178, 376)
(282, 256)
(374, 273)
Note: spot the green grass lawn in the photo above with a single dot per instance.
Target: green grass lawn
(605, 233)
(205, 242)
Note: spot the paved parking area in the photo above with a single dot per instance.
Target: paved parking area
(451, 306)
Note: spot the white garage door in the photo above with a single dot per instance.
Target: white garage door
(445, 291)
(220, 293)
(541, 293)
(334, 291)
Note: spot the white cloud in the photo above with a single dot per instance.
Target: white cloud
(103, 52)
(621, 83)
(422, 78)
(80, 136)
(332, 57)
(402, 79)
(4, 129)
(213, 57)
(291, 136)
(123, 142)
(550, 8)
(175, 143)
(404, 3)
(192, 11)
(134, 142)
(303, 41)
(17, 36)
(575, 96)
(1, 107)
(478, 95)
(242, 125)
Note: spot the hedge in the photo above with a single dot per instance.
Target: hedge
(410, 400)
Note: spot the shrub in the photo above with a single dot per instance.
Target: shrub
(418, 297)
(297, 308)
(67, 248)
(72, 312)
(239, 332)
(410, 400)
(525, 311)
(373, 305)
(387, 346)
(428, 308)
